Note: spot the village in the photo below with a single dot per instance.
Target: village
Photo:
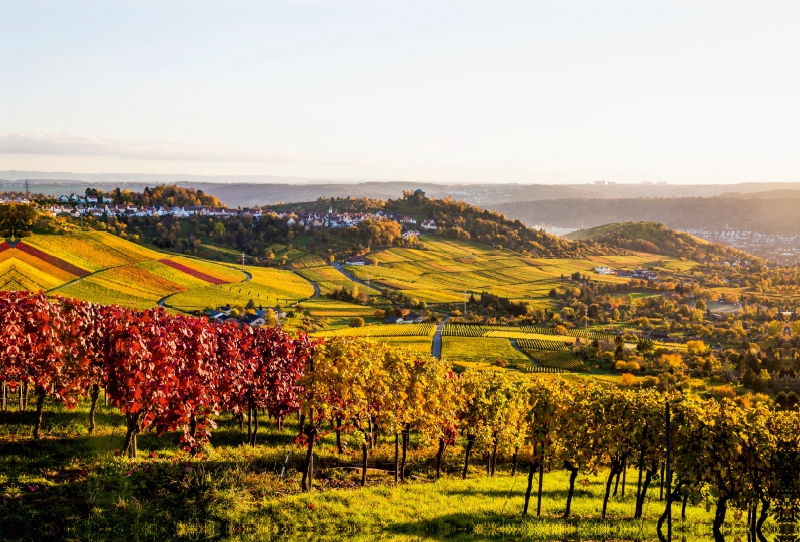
(773, 247)
(645, 274)
(99, 206)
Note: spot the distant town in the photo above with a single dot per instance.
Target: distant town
(776, 248)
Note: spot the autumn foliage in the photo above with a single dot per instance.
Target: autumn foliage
(177, 373)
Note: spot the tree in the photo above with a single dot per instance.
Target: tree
(477, 387)
(332, 390)
(357, 322)
(144, 373)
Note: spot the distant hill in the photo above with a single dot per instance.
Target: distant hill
(457, 220)
(766, 214)
(254, 190)
(773, 194)
(656, 238)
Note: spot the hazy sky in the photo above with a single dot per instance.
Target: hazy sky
(493, 91)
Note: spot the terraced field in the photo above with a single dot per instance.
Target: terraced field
(416, 337)
(446, 268)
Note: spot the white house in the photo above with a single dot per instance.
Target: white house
(428, 224)
(605, 270)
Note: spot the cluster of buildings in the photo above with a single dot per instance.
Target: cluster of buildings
(410, 318)
(771, 246)
(129, 209)
(344, 220)
(256, 319)
(76, 206)
(645, 274)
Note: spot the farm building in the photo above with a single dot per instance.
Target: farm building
(393, 320)
(413, 318)
(358, 260)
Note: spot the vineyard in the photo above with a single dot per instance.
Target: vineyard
(483, 350)
(328, 277)
(550, 354)
(397, 330)
(177, 374)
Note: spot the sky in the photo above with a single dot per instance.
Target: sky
(448, 91)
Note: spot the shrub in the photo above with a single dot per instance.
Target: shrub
(357, 322)
(627, 379)
(723, 392)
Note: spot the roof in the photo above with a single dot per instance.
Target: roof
(360, 259)
(392, 319)
(250, 318)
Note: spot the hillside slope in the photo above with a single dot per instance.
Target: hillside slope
(656, 238)
(458, 220)
(100, 267)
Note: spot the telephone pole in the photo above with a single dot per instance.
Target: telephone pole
(242, 262)
(586, 323)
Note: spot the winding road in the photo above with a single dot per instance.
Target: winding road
(247, 277)
(343, 270)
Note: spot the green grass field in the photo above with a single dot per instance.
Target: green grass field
(71, 486)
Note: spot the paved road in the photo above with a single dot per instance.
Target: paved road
(344, 271)
(312, 283)
(521, 351)
(436, 351)
(247, 277)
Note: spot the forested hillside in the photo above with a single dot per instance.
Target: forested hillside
(454, 219)
(458, 220)
(656, 238)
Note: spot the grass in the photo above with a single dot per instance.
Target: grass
(72, 486)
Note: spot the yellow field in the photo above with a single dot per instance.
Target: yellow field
(331, 308)
(19, 275)
(218, 271)
(268, 287)
(92, 251)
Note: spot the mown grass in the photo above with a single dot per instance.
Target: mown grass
(72, 486)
